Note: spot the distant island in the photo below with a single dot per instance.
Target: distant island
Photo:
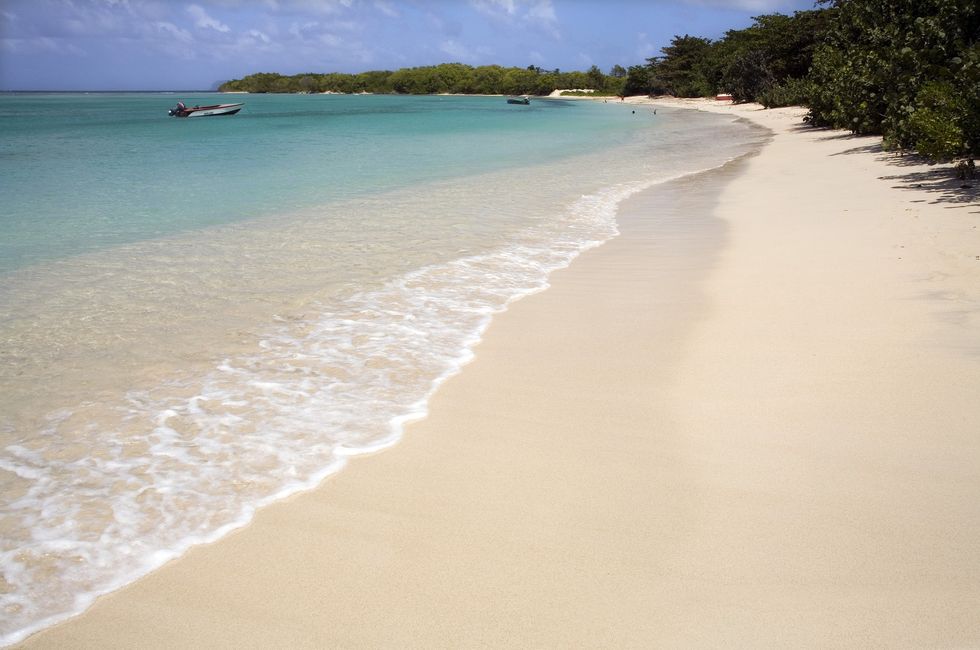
(910, 74)
(456, 78)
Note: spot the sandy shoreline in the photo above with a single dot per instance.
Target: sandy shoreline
(749, 420)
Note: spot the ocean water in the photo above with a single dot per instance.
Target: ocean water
(202, 316)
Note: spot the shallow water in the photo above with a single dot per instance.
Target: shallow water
(202, 316)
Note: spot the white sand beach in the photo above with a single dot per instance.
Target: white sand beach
(780, 361)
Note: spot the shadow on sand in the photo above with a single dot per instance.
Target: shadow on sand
(913, 172)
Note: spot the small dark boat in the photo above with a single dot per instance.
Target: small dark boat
(523, 99)
(204, 111)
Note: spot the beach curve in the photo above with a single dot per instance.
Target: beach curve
(748, 420)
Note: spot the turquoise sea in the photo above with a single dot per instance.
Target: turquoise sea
(201, 316)
(128, 174)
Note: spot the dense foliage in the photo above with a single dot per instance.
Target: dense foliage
(765, 62)
(906, 69)
(443, 78)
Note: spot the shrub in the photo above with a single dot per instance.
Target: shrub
(936, 123)
(791, 92)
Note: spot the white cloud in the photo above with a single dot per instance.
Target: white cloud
(450, 28)
(495, 7)
(289, 7)
(345, 25)
(315, 32)
(322, 7)
(40, 45)
(93, 20)
(386, 8)
(270, 4)
(205, 21)
(257, 35)
(457, 50)
(542, 11)
(534, 14)
(171, 30)
(644, 48)
(306, 30)
(751, 5)
(542, 14)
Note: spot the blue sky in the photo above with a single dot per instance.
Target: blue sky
(172, 44)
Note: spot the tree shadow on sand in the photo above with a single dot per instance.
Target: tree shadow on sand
(914, 173)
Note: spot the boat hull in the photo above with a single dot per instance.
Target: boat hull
(210, 111)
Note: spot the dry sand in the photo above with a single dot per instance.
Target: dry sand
(751, 420)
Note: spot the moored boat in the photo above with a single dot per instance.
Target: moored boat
(204, 111)
(523, 99)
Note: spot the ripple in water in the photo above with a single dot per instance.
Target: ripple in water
(104, 493)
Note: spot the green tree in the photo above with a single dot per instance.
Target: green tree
(595, 79)
(517, 81)
(487, 79)
(885, 61)
(639, 81)
(937, 124)
(681, 69)
(775, 50)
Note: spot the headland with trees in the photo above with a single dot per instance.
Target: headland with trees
(908, 70)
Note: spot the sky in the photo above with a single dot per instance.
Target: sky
(178, 45)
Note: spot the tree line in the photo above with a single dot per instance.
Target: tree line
(444, 78)
(908, 70)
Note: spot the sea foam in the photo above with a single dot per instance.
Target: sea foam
(265, 425)
(192, 458)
